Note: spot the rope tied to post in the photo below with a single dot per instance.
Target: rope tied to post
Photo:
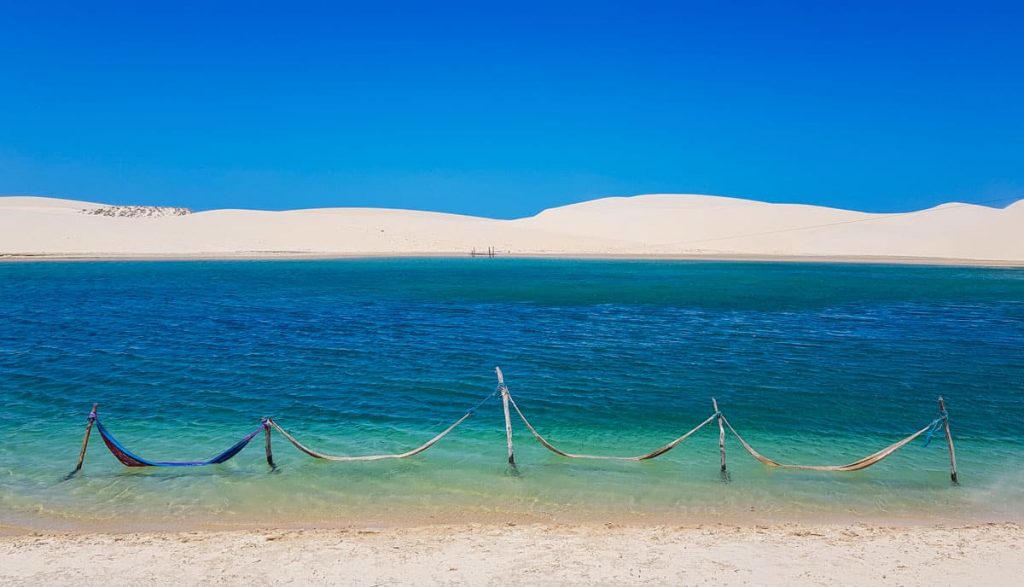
(934, 427)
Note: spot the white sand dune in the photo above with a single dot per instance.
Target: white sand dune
(654, 225)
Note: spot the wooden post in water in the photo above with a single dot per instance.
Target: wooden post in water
(949, 441)
(508, 419)
(85, 439)
(721, 433)
(266, 433)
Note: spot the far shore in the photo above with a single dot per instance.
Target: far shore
(686, 227)
(299, 256)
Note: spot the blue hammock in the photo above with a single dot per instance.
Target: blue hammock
(130, 459)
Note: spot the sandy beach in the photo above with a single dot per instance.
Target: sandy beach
(784, 554)
(649, 226)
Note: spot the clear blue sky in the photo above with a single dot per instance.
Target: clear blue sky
(503, 109)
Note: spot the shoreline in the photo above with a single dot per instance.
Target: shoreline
(15, 523)
(325, 256)
(526, 554)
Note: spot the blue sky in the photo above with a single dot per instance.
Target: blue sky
(503, 109)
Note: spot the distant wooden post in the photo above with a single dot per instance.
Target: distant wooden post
(266, 435)
(721, 433)
(85, 439)
(508, 418)
(949, 441)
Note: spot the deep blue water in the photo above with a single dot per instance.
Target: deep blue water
(813, 363)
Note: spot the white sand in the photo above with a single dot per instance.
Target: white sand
(788, 554)
(653, 225)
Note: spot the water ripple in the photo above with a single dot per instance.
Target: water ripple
(822, 363)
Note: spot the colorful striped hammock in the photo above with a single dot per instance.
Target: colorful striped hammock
(130, 459)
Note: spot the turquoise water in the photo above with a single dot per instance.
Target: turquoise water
(813, 363)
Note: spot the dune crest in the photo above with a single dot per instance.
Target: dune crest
(654, 225)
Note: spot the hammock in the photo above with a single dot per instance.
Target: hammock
(643, 457)
(413, 452)
(863, 463)
(130, 459)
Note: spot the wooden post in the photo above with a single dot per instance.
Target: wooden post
(721, 433)
(85, 439)
(266, 433)
(949, 441)
(508, 419)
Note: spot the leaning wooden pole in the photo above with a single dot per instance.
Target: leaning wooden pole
(85, 439)
(508, 418)
(721, 433)
(266, 436)
(949, 441)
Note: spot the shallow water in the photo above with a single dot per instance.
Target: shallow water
(812, 363)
